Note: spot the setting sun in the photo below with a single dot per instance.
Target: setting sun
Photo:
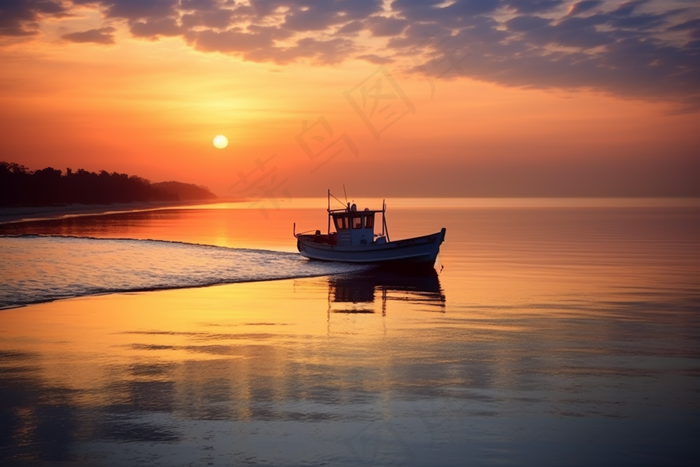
(220, 141)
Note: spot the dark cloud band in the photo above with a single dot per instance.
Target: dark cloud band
(646, 49)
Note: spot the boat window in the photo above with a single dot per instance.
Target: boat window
(357, 222)
(341, 223)
(369, 221)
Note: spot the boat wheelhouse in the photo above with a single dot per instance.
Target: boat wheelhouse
(354, 241)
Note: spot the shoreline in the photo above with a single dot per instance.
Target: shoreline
(41, 213)
(11, 215)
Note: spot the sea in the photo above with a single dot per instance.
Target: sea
(553, 331)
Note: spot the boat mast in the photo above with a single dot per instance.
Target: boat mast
(328, 231)
(385, 228)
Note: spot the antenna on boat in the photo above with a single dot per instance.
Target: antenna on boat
(345, 193)
(335, 198)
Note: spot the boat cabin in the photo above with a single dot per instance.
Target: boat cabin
(354, 227)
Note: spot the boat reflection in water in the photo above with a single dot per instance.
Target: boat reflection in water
(360, 293)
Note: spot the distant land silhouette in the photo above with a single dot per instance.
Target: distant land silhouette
(20, 186)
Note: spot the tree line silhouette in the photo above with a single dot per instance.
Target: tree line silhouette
(20, 186)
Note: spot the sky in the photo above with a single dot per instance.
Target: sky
(389, 98)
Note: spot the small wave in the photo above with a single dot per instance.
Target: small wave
(44, 268)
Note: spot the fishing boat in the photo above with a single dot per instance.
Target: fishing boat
(354, 241)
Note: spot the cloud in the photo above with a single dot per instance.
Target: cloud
(627, 8)
(435, 11)
(153, 28)
(527, 23)
(140, 9)
(232, 40)
(570, 32)
(376, 59)
(693, 26)
(98, 36)
(309, 15)
(583, 6)
(381, 26)
(21, 17)
(623, 51)
(351, 28)
(215, 19)
(204, 5)
(648, 49)
(642, 21)
(533, 6)
(325, 52)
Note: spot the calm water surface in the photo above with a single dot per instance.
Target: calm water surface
(558, 332)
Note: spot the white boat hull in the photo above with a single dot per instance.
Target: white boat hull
(420, 251)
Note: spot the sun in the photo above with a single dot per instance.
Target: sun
(220, 141)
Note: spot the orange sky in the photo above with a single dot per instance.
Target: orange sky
(143, 87)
